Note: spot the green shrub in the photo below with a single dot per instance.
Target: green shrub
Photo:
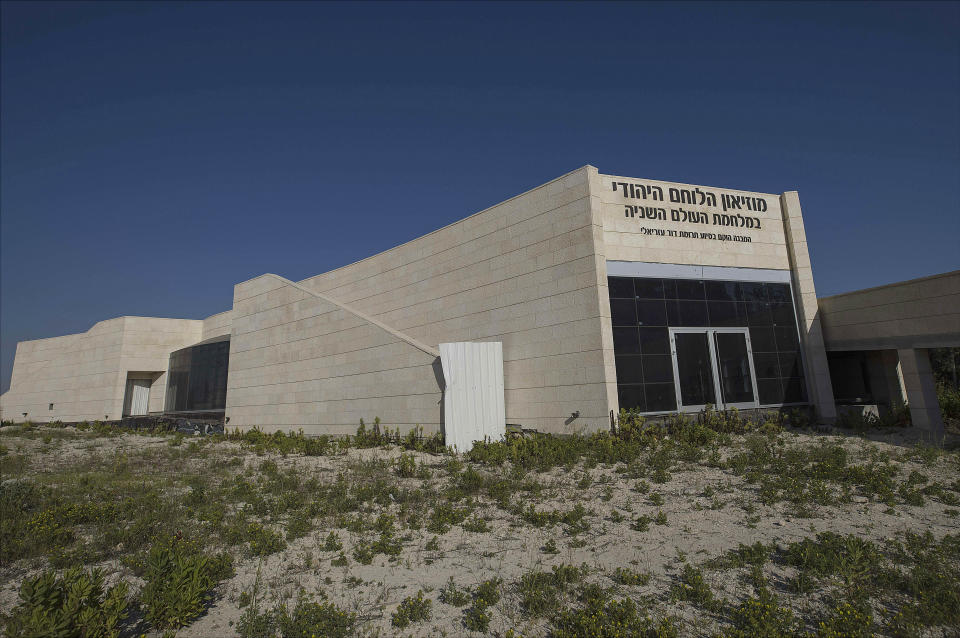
(74, 604)
(412, 609)
(627, 576)
(332, 543)
(308, 619)
(761, 616)
(541, 592)
(452, 595)
(263, 540)
(476, 524)
(604, 618)
(406, 466)
(692, 588)
(832, 554)
(847, 620)
(445, 516)
(180, 581)
(486, 595)
(949, 399)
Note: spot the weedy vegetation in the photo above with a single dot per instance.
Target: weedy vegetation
(106, 532)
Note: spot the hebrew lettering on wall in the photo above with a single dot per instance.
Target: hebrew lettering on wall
(736, 211)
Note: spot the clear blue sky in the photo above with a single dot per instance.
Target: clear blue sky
(153, 155)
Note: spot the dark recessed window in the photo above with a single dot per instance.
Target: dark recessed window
(629, 369)
(642, 308)
(787, 338)
(722, 291)
(758, 314)
(661, 397)
(762, 340)
(693, 314)
(766, 364)
(779, 293)
(782, 314)
(657, 368)
(625, 341)
(620, 287)
(770, 391)
(623, 312)
(51, 407)
(654, 341)
(752, 291)
(632, 397)
(197, 378)
(690, 289)
(648, 288)
(725, 314)
(651, 312)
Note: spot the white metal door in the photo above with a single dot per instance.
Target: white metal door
(138, 391)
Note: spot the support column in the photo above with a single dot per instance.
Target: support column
(921, 393)
(817, 370)
(896, 394)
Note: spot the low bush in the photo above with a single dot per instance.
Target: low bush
(179, 581)
(605, 618)
(308, 619)
(541, 592)
(412, 609)
(486, 595)
(74, 604)
(453, 595)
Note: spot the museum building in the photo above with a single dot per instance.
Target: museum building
(599, 292)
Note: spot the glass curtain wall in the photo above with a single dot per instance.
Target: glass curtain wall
(197, 378)
(644, 309)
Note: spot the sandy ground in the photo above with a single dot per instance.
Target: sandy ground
(698, 528)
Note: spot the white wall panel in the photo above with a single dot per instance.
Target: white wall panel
(473, 403)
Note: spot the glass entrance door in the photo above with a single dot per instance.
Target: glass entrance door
(713, 366)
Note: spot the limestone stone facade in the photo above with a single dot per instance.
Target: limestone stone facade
(84, 376)
(361, 341)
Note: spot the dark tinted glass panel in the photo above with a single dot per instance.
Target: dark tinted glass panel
(690, 289)
(649, 288)
(762, 340)
(766, 364)
(722, 291)
(621, 287)
(625, 341)
(790, 364)
(623, 312)
(694, 368)
(670, 288)
(770, 391)
(692, 313)
(787, 338)
(640, 318)
(725, 314)
(198, 378)
(673, 313)
(629, 370)
(782, 314)
(657, 368)
(654, 341)
(651, 312)
(758, 313)
(793, 391)
(779, 293)
(632, 397)
(660, 397)
(733, 364)
(750, 291)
